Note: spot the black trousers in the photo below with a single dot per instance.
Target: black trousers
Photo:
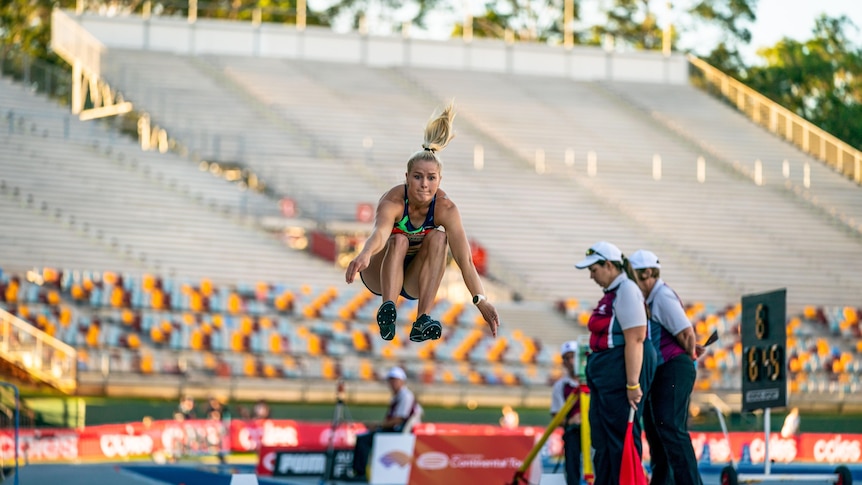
(609, 409)
(362, 450)
(666, 424)
(572, 452)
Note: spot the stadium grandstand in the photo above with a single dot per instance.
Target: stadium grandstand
(201, 244)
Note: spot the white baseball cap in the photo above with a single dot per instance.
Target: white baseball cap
(643, 259)
(600, 251)
(396, 373)
(570, 346)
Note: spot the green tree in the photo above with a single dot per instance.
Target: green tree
(819, 79)
(25, 27)
(732, 18)
(390, 14)
(631, 22)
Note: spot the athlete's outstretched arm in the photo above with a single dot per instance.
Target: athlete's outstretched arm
(464, 259)
(386, 215)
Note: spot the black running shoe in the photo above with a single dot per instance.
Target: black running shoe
(386, 316)
(425, 329)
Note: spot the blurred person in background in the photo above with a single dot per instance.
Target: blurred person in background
(186, 407)
(562, 389)
(406, 251)
(790, 428)
(510, 418)
(402, 408)
(620, 367)
(261, 409)
(666, 415)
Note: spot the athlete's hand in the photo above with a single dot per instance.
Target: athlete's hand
(359, 263)
(489, 313)
(634, 396)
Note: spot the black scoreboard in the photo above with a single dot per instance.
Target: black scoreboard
(764, 356)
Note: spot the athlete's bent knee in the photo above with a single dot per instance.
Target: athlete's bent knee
(435, 240)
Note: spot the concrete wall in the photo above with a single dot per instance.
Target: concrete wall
(206, 36)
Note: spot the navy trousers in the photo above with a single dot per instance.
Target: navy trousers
(609, 408)
(666, 424)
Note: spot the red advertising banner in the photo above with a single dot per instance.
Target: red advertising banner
(272, 436)
(197, 437)
(468, 459)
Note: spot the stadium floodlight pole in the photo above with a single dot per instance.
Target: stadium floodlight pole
(667, 33)
(558, 418)
(193, 11)
(300, 15)
(568, 18)
(17, 405)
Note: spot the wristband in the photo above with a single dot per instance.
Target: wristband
(634, 387)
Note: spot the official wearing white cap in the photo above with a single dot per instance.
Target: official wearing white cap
(620, 367)
(666, 417)
(566, 385)
(402, 408)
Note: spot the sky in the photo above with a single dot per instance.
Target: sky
(777, 19)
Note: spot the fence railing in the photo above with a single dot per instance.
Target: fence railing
(779, 120)
(38, 75)
(43, 356)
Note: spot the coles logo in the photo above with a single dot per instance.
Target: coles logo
(837, 450)
(124, 445)
(279, 436)
(171, 436)
(343, 435)
(249, 437)
(267, 461)
(64, 447)
(780, 449)
(719, 449)
(432, 460)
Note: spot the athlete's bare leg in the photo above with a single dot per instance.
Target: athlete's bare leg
(392, 268)
(425, 273)
(376, 277)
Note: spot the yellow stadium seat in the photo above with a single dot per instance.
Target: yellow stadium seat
(148, 282)
(117, 297)
(245, 325)
(196, 340)
(206, 287)
(93, 336)
(146, 364)
(329, 369)
(237, 342)
(196, 301)
(234, 304)
(249, 366)
(133, 341)
(65, 316)
(314, 345)
(275, 343)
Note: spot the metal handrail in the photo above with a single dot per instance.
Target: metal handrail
(781, 121)
(30, 356)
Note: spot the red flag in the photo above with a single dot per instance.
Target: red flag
(631, 469)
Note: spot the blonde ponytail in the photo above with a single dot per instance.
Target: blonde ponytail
(438, 134)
